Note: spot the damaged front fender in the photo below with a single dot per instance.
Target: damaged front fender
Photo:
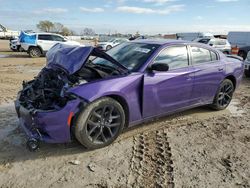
(49, 126)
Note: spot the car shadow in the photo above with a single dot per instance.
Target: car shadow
(13, 140)
(14, 55)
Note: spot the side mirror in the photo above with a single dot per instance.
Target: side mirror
(159, 67)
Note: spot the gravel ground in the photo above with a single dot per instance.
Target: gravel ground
(195, 148)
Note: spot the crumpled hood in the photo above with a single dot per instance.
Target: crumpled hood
(72, 58)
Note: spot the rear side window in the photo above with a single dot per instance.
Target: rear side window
(175, 57)
(200, 55)
(220, 42)
(57, 38)
(45, 37)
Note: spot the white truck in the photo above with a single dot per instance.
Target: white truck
(193, 35)
(6, 33)
(37, 44)
(239, 39)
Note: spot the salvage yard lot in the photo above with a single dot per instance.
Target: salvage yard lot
(196, 148)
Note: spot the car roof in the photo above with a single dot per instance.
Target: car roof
(161, 41)
(47, 34)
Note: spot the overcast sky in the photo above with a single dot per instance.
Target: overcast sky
(129, 16)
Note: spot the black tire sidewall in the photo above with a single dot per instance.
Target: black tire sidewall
(36, 49)
(215, 104)
(80, 126)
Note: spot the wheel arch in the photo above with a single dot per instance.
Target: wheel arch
(233, 79)
(124, 105)
(39, 47)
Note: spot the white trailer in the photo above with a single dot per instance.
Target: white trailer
(6, 33)
(239, 38)
(193, 35)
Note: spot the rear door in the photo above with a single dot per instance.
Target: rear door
(209, 72)
(45, 41)
(170, 90)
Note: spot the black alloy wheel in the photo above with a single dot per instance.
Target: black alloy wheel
(103, 124)
(224, 95)
(100, 123)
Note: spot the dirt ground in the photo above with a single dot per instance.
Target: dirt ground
(195, 148)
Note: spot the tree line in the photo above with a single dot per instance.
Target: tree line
(55, 27)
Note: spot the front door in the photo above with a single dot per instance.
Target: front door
(171, 90)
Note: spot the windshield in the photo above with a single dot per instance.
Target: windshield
(130, 55)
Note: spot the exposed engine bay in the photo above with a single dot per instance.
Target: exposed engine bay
(48, 90)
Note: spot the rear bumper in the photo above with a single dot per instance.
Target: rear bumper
(47, 126)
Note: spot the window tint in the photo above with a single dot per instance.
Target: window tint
(175, 57)
(45, 37)
(213, 56)
(200, 55)
(220, 42)
(204, 41)
(130, 55)
(57, 38)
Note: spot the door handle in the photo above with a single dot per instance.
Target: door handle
(220, 69)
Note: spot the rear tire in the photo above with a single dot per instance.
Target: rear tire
(224, 95)
(108, 47)
(247, 73)
(100, 123)
(35, 52)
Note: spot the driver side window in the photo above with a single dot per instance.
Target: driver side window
(176, 57)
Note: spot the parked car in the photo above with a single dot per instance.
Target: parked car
(220, 44)
(129, 84)
(247, 65)
(15, 44)
(241, 40)
(111, 43)
(37, 44)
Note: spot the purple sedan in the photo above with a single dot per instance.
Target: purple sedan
(92, 96)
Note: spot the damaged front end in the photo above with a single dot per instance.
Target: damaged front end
(45, 106)
(47, 91)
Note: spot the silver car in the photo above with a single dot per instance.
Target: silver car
(247, 65)
(110, 44)
(220, 44)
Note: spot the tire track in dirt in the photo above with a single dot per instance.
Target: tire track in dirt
(151, 163)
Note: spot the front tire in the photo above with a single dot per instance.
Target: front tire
(224, 95)
(100, 123)
(35, 52)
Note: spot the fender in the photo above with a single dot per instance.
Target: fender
(130, 91)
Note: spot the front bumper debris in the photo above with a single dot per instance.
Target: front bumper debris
(47, 126)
